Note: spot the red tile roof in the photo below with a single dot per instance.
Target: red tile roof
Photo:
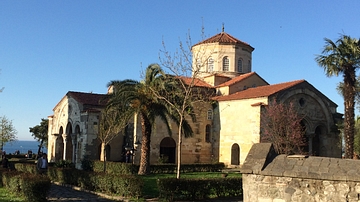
(223, 38)
(261, 91)
(217, 75)
(197, 82)
(89, 98)
(238, 79)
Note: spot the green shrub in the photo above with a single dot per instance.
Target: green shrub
(34, 188)
(198, 189)
(123, 185)
(87, 164)
(186, 168)
(115, 167)
(8, 178)
(64, 164)
(26, 167)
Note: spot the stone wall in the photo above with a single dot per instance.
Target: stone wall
(270, 177)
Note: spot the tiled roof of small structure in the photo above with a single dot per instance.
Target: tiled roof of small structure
(261, 91)
(197, 82)
(239, 78)
(223, 38)
(89, 98)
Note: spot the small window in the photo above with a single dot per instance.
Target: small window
(239, 67)
(210, 114)
(249, 65)
(244, 88)
(225, 64)
(198, 63)
(302, 102)
(208, 133)
(210, 65)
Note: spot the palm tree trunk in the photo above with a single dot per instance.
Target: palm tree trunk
(144, 168)
(349, 119)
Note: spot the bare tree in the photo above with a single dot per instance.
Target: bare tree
(186, 91)
(281, 125)
(112, 122)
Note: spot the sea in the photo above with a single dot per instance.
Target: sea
(23, 146)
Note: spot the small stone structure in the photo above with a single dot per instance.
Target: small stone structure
(268, 177)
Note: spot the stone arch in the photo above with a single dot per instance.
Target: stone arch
(168, 149)
(68, 128)
(235, 154)
(69, 143)
(61, 130)
(59, 142)
(77, 129)
(328, 118)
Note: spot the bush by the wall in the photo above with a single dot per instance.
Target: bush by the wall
(197, 189)
(115, 167)
(186, 168)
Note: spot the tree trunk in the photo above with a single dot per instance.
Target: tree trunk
(144, 167)
(179, 149)
(349, 119)
(103, 155)
(41, 144)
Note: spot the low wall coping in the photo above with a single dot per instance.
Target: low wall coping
(263, 160)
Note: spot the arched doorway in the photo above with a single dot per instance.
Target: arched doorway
(305, 148)
(316, 146)
(168, 150)
(235, 154)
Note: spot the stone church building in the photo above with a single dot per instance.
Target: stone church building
(224, 133)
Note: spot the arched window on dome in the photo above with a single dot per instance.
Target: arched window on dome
(225, 64)
(240, 66)
(210, 65)
(249, 66)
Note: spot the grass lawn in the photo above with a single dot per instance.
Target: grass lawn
(6, 196)
(150, 187)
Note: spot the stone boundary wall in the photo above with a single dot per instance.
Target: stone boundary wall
(268, 177)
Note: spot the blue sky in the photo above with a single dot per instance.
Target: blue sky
(48, 48)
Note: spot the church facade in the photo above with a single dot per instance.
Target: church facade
(223, 132)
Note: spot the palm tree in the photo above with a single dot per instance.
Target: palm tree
(138, 97)
(343, 57)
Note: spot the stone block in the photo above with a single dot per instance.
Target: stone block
(316, 161)
(313, 175)
(259, 156)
